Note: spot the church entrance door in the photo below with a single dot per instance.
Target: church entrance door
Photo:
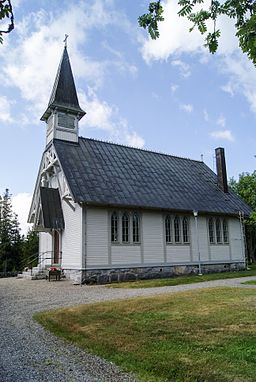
(56, 247)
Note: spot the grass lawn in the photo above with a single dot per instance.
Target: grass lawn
(195, 336)
(251, 282)
(178, 280)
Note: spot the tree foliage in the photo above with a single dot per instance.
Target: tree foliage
(30, 249)
(245, 187)
(10, 238)
(15, 250)
(6, 13)
(242, 11)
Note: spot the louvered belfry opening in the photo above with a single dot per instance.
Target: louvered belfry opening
(221, 169)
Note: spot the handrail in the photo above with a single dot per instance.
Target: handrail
(40, 258)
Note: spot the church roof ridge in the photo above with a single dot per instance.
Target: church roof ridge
(140, 149)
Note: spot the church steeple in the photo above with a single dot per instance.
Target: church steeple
(63, 111)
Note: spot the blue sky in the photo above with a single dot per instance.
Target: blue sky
(168, 95)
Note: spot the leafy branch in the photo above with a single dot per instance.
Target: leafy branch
(6, 12)
(242, 11)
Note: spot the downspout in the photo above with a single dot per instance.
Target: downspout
(195, 213)
(241, 217)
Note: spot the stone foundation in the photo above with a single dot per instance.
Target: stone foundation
(106, 276)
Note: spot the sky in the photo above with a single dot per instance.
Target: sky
(168, 95)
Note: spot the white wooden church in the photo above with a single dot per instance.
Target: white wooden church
(107, 212)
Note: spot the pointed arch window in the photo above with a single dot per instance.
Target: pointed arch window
(168, 229)
(185, 229)
(211, 230)
(135, 228)
(218, 230)
(177, 229)
(125, 228)
(225, 231)
(114, 227)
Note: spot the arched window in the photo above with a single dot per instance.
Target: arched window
(211, 230)
(225, 231)
(218, 230)
(168, 229)
(114, 227)
(125, 228)
(136, 228)
(185, 229)
(177, 229)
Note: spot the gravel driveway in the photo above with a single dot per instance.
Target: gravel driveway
(29, 353)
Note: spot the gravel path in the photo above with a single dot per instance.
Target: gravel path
(29, 353)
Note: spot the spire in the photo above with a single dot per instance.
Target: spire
(64, 96)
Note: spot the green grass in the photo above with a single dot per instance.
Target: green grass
(178, 280)
(196, 336)
(251, 282)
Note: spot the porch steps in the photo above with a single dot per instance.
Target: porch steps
(35, 274)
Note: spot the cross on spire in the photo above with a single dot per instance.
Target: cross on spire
(65, 40)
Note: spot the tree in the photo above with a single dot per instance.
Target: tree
(30, 249)
(245, 187)
(10, 239)
(242, 11)
(6, 13)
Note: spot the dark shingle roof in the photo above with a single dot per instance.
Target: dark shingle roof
(64, 94)
(51, 208)
(115, 175)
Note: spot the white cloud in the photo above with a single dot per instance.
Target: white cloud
(5, 110)
(174, 36)
(105, 117)
(133, 139)
(21, 205)
(188, 108)
(183, 68)
(39, 46)
(206, 115)
(176, 39)
(229, 88)
(174, 88)
(222, 134)
(242, 77)
(221, 121)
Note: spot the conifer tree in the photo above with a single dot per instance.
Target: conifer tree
(10, 238)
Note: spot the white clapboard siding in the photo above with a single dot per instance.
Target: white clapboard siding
(236, 240)
(45, 248)
(219, 252)
(97, 235)
(177, 253)
(72, 237)
(125, 254)
(203, 239)
(153, 240)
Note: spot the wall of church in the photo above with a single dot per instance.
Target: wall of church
(45, 249)
(153, 249)
(71, 237)
(236, 244)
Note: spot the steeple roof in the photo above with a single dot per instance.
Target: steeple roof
(64, 96)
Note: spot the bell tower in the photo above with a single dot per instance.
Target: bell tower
(63, 112)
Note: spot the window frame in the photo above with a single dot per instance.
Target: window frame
(114, 227)
(126, 228)
(168, 229)
(185, 230)
(220, 231)
(225, 231)
(177, 224)
(135, 228)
